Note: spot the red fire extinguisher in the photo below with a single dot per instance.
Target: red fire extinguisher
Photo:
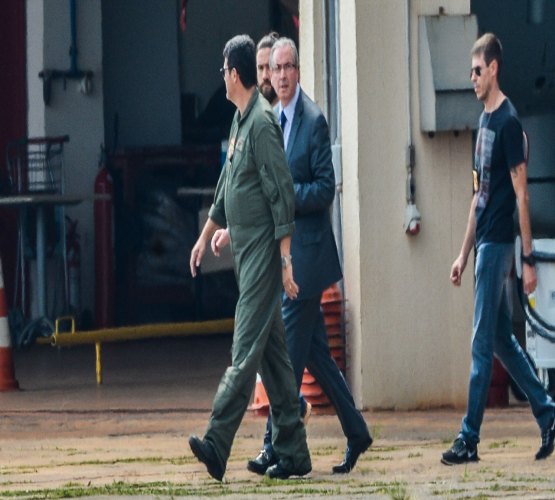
(103, 247)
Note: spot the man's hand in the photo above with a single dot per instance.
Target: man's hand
(219, 241)
(291, 288)
(457, 270)
(197, 253)
(529, 278)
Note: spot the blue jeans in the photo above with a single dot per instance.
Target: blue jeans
(492, 333)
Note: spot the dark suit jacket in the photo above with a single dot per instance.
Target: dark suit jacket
(315, 260)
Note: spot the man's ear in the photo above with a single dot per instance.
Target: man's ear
(494, 67)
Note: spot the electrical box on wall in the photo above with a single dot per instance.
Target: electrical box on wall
(447, 100)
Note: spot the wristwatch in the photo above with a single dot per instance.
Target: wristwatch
(285, 261)
(529, 259)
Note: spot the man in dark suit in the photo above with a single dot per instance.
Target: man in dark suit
(264, 82)
(313, 251)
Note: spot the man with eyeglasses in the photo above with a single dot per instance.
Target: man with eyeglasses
(264, 81)
(313, 253)
(499, 183)
(255, 200)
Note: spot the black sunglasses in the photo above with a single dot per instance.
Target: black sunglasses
(222, 71)
(477, 70)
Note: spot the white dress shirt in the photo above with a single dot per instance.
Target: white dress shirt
(289, 111)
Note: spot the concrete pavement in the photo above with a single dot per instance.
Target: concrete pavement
(62, 435)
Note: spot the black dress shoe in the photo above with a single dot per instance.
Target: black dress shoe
(206, 454)
(351, 456)
(278, 471)
(261, 463)
(547, 439)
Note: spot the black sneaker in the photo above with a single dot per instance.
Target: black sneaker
(546, 447)
(460, 453)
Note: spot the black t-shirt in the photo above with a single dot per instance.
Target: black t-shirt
(499, 148)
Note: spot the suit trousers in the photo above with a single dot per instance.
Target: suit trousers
(307, 343)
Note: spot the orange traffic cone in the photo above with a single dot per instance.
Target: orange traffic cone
(260, 404)
(7, 372)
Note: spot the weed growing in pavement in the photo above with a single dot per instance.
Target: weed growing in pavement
(502, 444)
(324, 451)
(507, 487)
(167, 489)
(376, 431)
(375, 458)
(76, 490)
(383, 449)
(21, 469)
(532, 479)
(183, 460)
(452, 491)
(466, 474)
(69, 451)
(396, 491)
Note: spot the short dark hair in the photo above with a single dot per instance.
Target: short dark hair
(285, 42)
(490, 47)
(267, 41)
(241, 55)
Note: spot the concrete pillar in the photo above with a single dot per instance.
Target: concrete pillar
(408, 328)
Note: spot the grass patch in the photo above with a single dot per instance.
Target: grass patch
(376, 458)
(163, 488)
(376, 431)
(396, 491)
(324, 451)
(22, 469)
(382, 449)
(524, 479)
(449, 492)
(183, 460)
(501, 444)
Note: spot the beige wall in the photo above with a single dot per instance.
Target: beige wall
(311, 50)
(408, 328)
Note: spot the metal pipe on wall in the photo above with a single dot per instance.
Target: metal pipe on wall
(73, 45)
(331, 47)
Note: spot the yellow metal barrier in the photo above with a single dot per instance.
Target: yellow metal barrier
(158, 330)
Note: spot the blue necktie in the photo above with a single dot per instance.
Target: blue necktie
(282, 120)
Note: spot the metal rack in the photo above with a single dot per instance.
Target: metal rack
(36, 165)
(36, 173)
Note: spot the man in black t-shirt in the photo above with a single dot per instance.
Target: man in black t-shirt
(499, 184)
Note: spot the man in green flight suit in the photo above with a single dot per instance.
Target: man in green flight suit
(255, 201)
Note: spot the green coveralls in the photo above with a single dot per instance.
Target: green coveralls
(255, 201)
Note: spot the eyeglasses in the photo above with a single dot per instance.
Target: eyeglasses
(477, 70)
(223, 70)
(287, 67)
